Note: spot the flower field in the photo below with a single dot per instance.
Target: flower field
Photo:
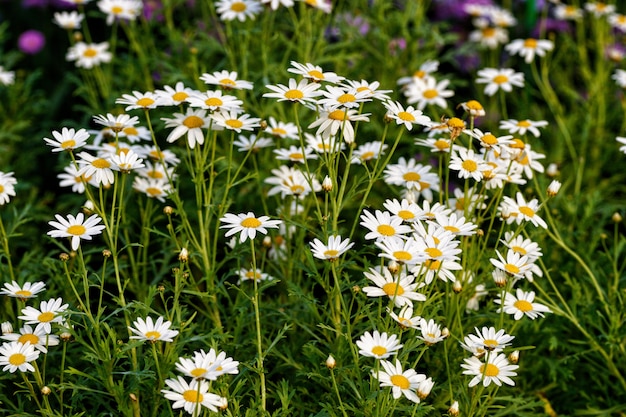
(312, 208)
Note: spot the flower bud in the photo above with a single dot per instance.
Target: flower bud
(499, 277)
(331, 362)
(64, 257)
(45, 390)
(457, 286)
(454, 409)
(552, 170)
(445, 332)
(616, 217)
(168, 210)
(553, 188)
(514, 357)
(7, 328)
(267, 242)
(393, 266)
(106, 253)
(424, 387)
(327, 184)
(183, 256)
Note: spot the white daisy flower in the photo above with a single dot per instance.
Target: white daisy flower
(400, 289)
(158, 188)
(215, 101)
(487, 340)
(425, 91)
(331, 251)
(281, 129)
(250, 274)
(248, 224)
(139, 100)
(521, 304)
(28, 290)
(49, 312)
(342, 97)
(528, 48)
(37, 337)
(89, 55)
(405, 317)
(330, 122)
(252, 143)
(227, 80)
(431, 332)
(120, 9)
(370, 88)
(401, 382)
(497, 369)
(192, 396)
(401, 250)
(313, 72)
(522, 126)
(96, 167)
(521, 210)
(191, 124)
(408, 116)
(76, 228)
(16, 356)
(468, 164)
(68, 20)
(382, 225)
(301, 92)
(368, 152)
(152, 331)
(378, 345)
(231, 120)
(126, 161)
(514, 264)
(499, 79)
(295, 154)
(6, 77)
(238, 9)
(7, 189)
(174, 96)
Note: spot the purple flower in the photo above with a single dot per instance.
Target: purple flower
(31, 42)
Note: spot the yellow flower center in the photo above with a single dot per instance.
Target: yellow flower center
(402, 255)
(474, 105)
(101, 163)
(155, 174)
(346, 98)
(524, 123)
(455, 123)
(512, 269)
(406, 116)
(116, 10)
(45, 317)
(152, 334)
(228, 81)
(406, 214)
(193, 122)
(517, 143)
(153, 191)
(379, 350)
(523, 305)
(296, 155)
(278, 131)
(469, 165)
(400, 381)
(432, 264)
(337, 115)
(491, 370)
(130, 131)
(363, 88)
(294, 94)
(90, 53)
(23, 293)
(386, 230)
(441, 144)
(366, 156)
(527, 211)
(198, 372)
(331, 253)
(489, 32)
(193, 396)
(519, 250)
(430, 94)
(253, 275)
(30, 338)
(411, 176)
(419, 74)
(68, 144)
(17, 359)
(145, 102)
(489, 139)
(500, 79)
(316, 74)
(76, 230)
(433, 252)
(213, 102)
(251, 222)
(297, 189)
(180, 96)
(452, 229)
(490, 344)
(391, 289)
(530, 43)
(234, 123)
(1, 188)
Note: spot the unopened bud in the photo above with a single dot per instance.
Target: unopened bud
(132, 397)
(457, 286)
(445, 332)
(64, 257)
(222, 403)
(393, 266)
(454, 409)
(327, 184)
(356, 289)
(616, 217)
(499, 277)
(424, 388)
(7, 328)
(267, 242)
(183, 256)
(553, 188)
(552, 170)
(514, 357)
(88, 207)
(168, 210)
(331, 362)
(45, 390)
(78, 37)
(106, 253)
(263, 125)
